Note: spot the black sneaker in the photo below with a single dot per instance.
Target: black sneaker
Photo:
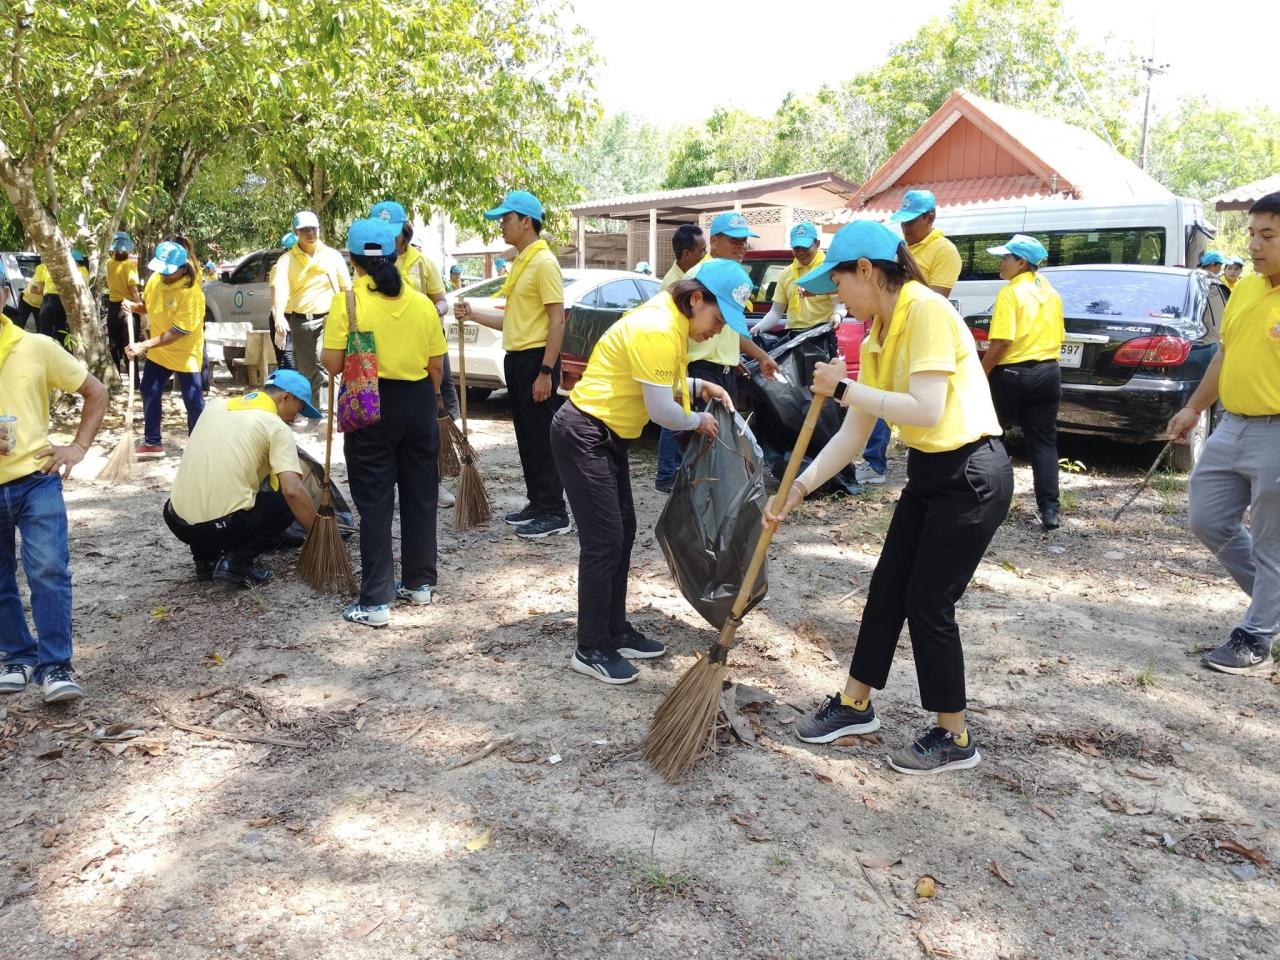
(520, 517)
(1242, 653)
(543, 526)
(834, 720)
(204, 570)
(634, 645)
(237, 573)
(935, 752)
(664, 486)
(603, 665)
(14, 677)
(59, 686)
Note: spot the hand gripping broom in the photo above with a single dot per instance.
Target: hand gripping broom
(472, 507)
(324, 563)
(684, 724)
(120, 465)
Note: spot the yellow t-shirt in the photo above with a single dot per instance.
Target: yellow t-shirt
(420, 273)
(39, 275)
(725, 348)
(925, 335)
(406, 331)
(1028, 312)
(236, 444)
(648, 345)
(1249, 383)
(534, 282)
(804, 310)
(938, 258)
(1230, 281)
(310, 283)
(121, 274)
(35, 366)
(674, 276)
(176, 305)
(42, 275)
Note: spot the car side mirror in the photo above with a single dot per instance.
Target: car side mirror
(225, 276)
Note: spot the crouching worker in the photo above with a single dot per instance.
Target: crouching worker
(217, 506)
(632, 377)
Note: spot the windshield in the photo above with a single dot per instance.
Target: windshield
(1121, 293)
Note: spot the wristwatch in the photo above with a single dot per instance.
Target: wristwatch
(841, 389)
(545, 369)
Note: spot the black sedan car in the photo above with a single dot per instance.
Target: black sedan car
(1139, 340)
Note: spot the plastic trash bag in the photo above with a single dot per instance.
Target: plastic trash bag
(313, 480)
(711, 523)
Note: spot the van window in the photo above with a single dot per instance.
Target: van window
(764, 279)
(1137, 245)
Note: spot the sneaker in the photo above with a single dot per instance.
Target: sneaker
(603, 665)
(14, 677)
(149, 450)
(935, 752)
(1242, 653)
(634, 645)
(1049, 518)
(444, 499)
(664, 486)
(421, 595)
(237, 573)
(834, 720)
(544, 527)
(868, 475)
(60, 686)
(376, 616)
(521, 517)
(204, 570)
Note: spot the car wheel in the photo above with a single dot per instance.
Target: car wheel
(478, 394)
(1184, 456)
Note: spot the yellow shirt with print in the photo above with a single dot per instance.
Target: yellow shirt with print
(310, 283)
(1028, 313)
(42, 275)
(121, 274)
(1249, 383)
(673, 276)
(534, 282)
(35, 365)
(803, 310)
(938, 259)
(648, 345)
(406, 330)
(725, 348)
(420, 273)
(236, 444)
(178, 306)
(925, 335)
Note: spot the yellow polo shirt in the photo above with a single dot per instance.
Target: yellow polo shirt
(804, 310)
(1028, 312)
(406, 331)
(925, 335)
(673, 276)
(1230, 281)
(35, 365)
(725, 348)
(42, 275)
(309, 283)
(39, 275)
(1249, 383)
(179, 306)
(420, 273)
(648, 345)
(121, 274)
(533, 282)
(938, 258)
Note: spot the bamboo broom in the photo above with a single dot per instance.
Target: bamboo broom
(684, 724)
(324, 563)
(124, 458)
(472, 507)
(450, 443)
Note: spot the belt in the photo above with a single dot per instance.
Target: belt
(307, 317)
(726, 370)
(1027, 363)
(1257, 418)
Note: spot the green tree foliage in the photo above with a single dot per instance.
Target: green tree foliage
(1203, 149)
(732, 145)
(620, 155)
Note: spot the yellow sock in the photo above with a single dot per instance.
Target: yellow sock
(962, 740)
(856, 704)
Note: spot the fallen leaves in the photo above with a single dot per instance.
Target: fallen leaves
(1000, 874)
(1047, 810)
(364, 929)
(926, 887)
(879, 863)
(1231, 846)
(740, 726)
(480, 840)
(1117, 805)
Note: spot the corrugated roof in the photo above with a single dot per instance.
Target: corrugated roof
(1246, 195)
(713, 192)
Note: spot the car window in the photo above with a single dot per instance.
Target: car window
(619, 295)
(489, 288)
(764, 278)
(1215, 303)
(648, 289)
(253, 269)
(1136, 245)
(1121, 293)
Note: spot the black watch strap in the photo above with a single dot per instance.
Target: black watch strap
(545, 369)
(841, 389)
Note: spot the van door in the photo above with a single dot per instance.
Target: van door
(972, 233)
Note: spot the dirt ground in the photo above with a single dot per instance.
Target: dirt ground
(447, 788)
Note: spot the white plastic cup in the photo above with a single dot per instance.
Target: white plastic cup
(8, 434)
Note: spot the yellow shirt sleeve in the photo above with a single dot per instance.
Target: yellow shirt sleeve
(548, 281)
(946, 267)
(62, 371)
(653, 358)
(434, 285)
(283, 455)
(1004, 318)
(335, 325)
(436, 345)
(931, 344)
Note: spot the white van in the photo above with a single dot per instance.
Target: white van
(1168, 232)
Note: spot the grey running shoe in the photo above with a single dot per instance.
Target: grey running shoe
(834, 720)
(634, 645)
(1243, 652)
(543, 527)
(935, 752)
(603, 665)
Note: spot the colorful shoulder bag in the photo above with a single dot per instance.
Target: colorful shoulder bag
(359, 404)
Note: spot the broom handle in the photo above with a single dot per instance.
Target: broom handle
(328, 439)
(762, 545)
(128, 410)
(462, 373)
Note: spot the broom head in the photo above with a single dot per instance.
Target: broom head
(120, 465)
(324, 562)
(451, 445)
(684, 724)
(472, 507)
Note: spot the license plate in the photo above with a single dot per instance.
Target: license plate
(1071, 355)
(472, 332)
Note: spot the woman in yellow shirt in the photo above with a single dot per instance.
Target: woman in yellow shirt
(920, 370)
(399, 450)
(632, 377)
(173, 302)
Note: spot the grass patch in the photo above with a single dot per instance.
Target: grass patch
(1067, 500)
(1146, 676)
(1166, 482)
(671, 884)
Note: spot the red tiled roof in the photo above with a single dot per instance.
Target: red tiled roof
(954, 193)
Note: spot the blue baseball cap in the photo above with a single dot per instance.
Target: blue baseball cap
(731, 225)
(517, 201)
(295, 384)
(500, 262)
(1210, 257)
(857, 240)
(389, 211)
(1235, 262)
(643, 267)
(371, 238)
(122, 241)
(78, 256)
(169, 259)
(305, 218)
(289, 240)
(456, 268)
(731, 287)
(915, 203)
(1020, 245)
(804, 235)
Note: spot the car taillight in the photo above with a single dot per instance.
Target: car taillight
(1153, 352)
(978, 333)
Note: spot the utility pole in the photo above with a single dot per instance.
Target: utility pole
(1148, 65)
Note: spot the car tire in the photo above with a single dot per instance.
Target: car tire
(1183, 456)
(478, 394)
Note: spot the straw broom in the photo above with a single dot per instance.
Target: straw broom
(684, 724)
(324, 563)
(124, 458)
(472, 506)
(450, 444)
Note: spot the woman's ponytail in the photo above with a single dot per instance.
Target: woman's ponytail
(384, 273)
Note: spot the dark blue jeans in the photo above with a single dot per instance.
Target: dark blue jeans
(155, 379)
(33, 506)
(877, 447)
(669, 456)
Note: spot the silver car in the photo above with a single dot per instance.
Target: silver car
(241, 294)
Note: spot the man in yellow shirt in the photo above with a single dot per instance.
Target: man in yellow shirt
(935, 255)
(455, 278)
(1239, 470)
(802, 309)
(532, 325)
(52, 321)
(32, 469)
(308, 277)
(689, 246)
(1021, 362)
(1231, 272)
(1211, 262)
(122, 285)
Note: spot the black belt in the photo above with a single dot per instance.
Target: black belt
(1027, 363)
(307, 317)
(726, 370)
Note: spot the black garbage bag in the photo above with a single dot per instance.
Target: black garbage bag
(711, 523)
(313, 480)
(778, 407)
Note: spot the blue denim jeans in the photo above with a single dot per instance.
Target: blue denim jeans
(669, 456)
(878, 447)
(33, 506)
(155, 380)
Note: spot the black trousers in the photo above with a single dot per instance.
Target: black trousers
(593, 464)
(399, 451)
(949, 510)
(532, 422)
(727, 377)
(1027, 395)
(26, 311)
(117, 334)
(241, 535)
(53, 320)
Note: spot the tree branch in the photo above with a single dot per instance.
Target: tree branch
(82, 109)
(15, 71)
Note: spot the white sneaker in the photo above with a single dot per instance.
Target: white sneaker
(444, 499)
(14, 677)
(378, 616)
(59, 685)
(867, 475)
(421, 596)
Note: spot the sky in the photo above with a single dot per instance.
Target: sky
(645, 72)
